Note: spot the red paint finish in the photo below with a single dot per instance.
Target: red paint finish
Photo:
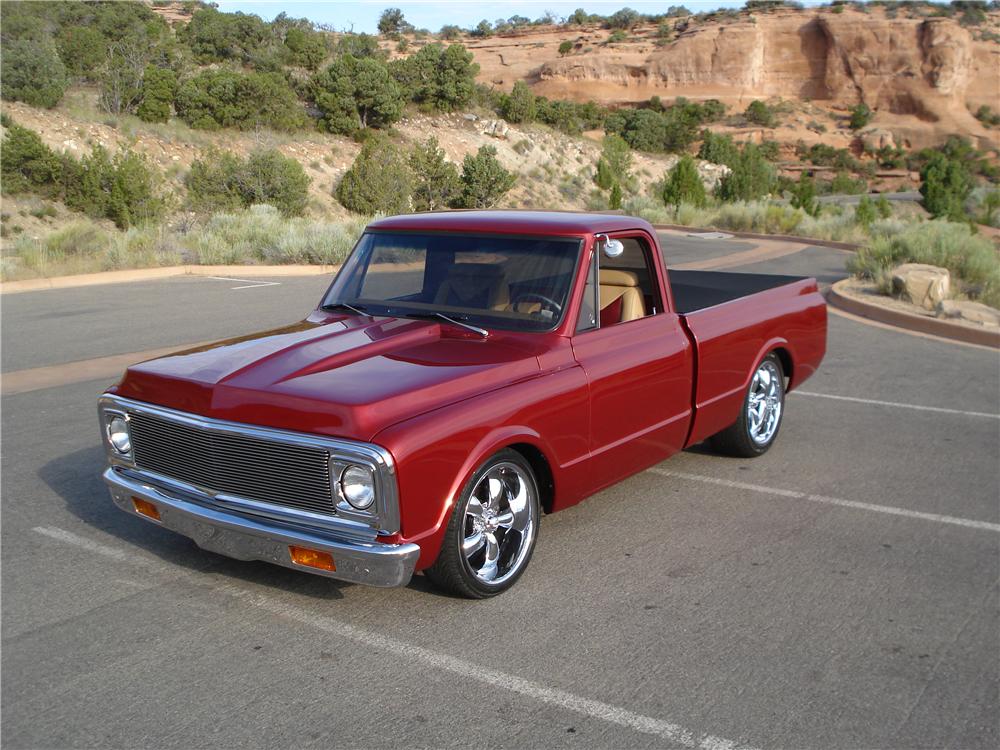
(594, 406)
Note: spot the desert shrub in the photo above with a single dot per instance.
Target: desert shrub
(843, 184)
(945, 184)
(358, 45)
(865, 212)
(751, 176)
(159, 87)
(718, 149)
(440, 77)
(392, 22)
(214, 36)
(82, 50)
(823, 155)
(761, 114)
(225, 98)
(626, 18)
(305, 47)
(484, 180)
(357, 93)
(224, 181)
(987, 116)
(883, 207)
(519, 105)
(436, 182)
(32, 73)
(814, 125)
(647, 130)
(122, 188)
(378, 182)
(482, 30)
(984, 206)
(615, 197)
(565, 48)
(861, 115)
(971, 257)
(26, 163)
(683, 184)
(450, 31)
(617, 37)
(804, 195)
(569, 117)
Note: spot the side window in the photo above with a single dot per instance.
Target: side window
(628, 287)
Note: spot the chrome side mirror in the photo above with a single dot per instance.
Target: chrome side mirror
(612, 248)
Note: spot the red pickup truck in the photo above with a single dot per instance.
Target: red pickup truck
(464, 373)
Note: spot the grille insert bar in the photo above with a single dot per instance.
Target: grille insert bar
(296, 476)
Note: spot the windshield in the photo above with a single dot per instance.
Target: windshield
(493, 281)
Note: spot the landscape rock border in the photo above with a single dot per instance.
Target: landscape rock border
(911, 321)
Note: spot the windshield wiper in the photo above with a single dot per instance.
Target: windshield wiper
(345, 306)
(441, 316)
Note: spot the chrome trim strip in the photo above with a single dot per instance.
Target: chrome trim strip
(243, 538)
(378, 459)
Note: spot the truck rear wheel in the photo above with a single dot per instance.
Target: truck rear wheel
(492, 530)
(760, 418)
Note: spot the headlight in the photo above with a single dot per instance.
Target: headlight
(118, 435)
(358, 486)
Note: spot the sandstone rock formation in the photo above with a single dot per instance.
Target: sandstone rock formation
(921, 284)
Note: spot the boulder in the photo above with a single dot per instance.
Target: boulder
(971, 312)
(921, 284)
(496, 128)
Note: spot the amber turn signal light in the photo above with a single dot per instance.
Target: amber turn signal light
(312, 558)
(146, 508)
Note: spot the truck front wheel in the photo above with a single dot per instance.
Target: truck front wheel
(760, 417)
(492, 530)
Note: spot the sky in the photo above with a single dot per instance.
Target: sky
(362, 15)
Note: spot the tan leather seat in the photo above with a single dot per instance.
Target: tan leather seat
(482, 286)
(620, 290)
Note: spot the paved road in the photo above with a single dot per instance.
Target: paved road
(841, 591)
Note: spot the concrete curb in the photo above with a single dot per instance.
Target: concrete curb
(911, 322)
(148, 274)
(847, 246)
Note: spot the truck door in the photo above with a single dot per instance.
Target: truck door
(638, 361)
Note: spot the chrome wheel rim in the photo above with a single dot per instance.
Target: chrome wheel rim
(499, 524)
(765, 403)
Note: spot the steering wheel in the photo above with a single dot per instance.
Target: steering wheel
(547, 302)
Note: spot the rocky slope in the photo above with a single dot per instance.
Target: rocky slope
(920, 74)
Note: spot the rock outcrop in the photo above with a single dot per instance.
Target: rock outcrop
(921, 284)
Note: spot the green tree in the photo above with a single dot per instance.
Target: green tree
(626, 18)
(615, 163)
(213, 36)
(565, 48)
(804, 194)
(759, 113)
(32, 73)
(226, 98)
(378, 182)
(306, 48)
(213, 182)
(82, 50)
(864, 213)
(683, 184)
(359, 45)
(718, 149)
(945, 184)
(159, 87)
(435, 179)
(357, 93)
(450, 31)
(391, 22)
(441, 77)
(578, 17)
(861, 115)
(482, 30)
(121, 78)
(519, 105)
(615, 197)
(484, 180)
(751, 178)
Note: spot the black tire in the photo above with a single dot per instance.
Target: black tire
(456, 572)
(738, 439)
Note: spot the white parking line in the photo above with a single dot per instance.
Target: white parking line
(897, 405)
(248, 284)
(796, 495)
(544, 694)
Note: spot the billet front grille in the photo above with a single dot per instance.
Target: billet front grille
(296, 476)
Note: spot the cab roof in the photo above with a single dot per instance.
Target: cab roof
(558, 223)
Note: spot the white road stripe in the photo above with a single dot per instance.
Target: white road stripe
(469, 670)
(897, 405)
(247, 282)
(795, 495)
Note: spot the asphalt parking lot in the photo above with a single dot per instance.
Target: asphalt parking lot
(839, 592)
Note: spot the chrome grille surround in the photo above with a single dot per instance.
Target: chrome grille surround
(263, 471)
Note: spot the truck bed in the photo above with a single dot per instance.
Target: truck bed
(697, 290)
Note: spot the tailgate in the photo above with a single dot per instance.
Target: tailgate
(731, 337)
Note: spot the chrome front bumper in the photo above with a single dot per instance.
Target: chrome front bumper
(245, 538)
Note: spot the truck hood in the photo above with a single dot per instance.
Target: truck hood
(340, 376)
